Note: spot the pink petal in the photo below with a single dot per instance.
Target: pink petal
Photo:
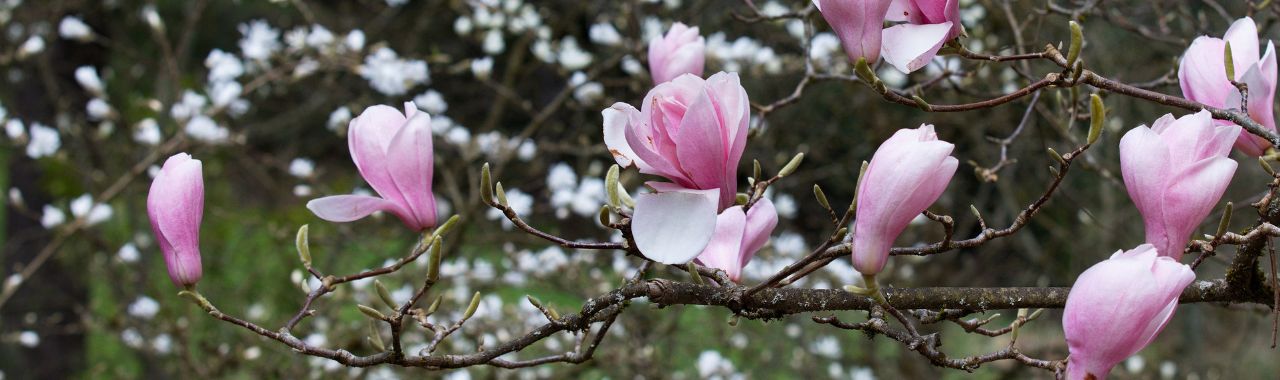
(1243, 35)
(674, 227)
(1202, 74)
(368, 137)
(724, 250)
(735, 109)
(175, 207)
(411, 167)
(761, 219)
(908, 47)
(701, 149)
(1144, 164)
(346, 208)
(1192, 194)
(857, 24)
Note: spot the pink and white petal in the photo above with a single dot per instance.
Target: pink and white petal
(346, 208)
(908, 47)
(723, 251)
(673, 228)
(411, 166)
(616, 121)
(735, 109)
(175, 202)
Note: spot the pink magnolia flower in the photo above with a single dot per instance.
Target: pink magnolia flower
(679, 52)
(1202, 76)
(906, 175)
(858, 24)
(929, 24)
(1176, 171)
(175, 205)
(1118, 306)
(394, 155)
(689, 130)
(737, 237)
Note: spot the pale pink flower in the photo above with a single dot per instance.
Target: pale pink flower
(1175, 172)
(907, 174)
(175, 205)
(1119, 306)
(393, 152)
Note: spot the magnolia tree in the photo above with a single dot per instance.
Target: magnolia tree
(802, 180)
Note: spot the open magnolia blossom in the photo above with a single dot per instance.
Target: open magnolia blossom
(1203, 77)
(689, 130)
(681, 51)
(1118, 306)
(393, 152)
(907, 174)
(925, 25)
(175, 206)
(1175, 172)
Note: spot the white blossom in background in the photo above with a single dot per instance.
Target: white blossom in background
(584, 91)
(354, 41)
(306, 66)
(93, 213)
(87, 77)
(632, 66)
(28, 339)
(396, 3)
(51, 216)
(526, 151)
(542, 49)
(301, 191)
(785, 205)
(44, 141)
(742, 53)
(259, 40)
(390, 75)
(861, 373)
(15, 196)
(97, 109)
(223, 66)
(339, 118)
(128, 253)
(152, 18)
(132, 338)
(12, 281)
(14, 129)
(572, 57)
(224, 93)
(72, 28)
(493, 42)
(162, 343)
(301, 167)
(440, 124)
(826, 51)
(192, 103)
(712, 365)
(458, 136)
(144, 307)
(32, 46)
(320, 38)
(604, 33)
(432, 102)
(482, 67)
(796, 29)
(204, 129)
(147, 132)
(252, 353)
(463, 26)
